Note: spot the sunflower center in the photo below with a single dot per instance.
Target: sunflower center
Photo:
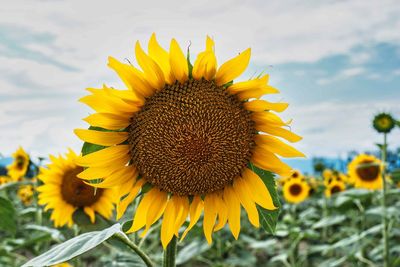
(75, 192)
(295, 189)
(191, 138)
(335, 189)
(20, 162)
(368, 173)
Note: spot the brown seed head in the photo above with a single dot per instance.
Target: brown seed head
(75, 192)
(191, 138)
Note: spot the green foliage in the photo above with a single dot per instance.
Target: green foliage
(74, 247)
(7, 216)
(268, 218)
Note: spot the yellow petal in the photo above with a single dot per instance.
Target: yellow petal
(101, 100)
(108, 121)
(90, 212)
(260, 192)
(119, 177)
(132, 77)
(168, 223)
(210, 216)
(123, 205)
(100, 137)
(153, 73)
(233, 207)
(156, 209)
(233, 68)
(93, 173)
(275, 145)
(182, 210)
(266, 117)
(178, 62)
(249, 85)
(257, 93)
(281, 132)
(262, 105)
(222, 213)
(100, 157)
(268, 161)
(247, 202)
(205, 66)
(141, 212)
(159, 55)
(196, 207)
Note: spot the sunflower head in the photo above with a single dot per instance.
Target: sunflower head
(18, 168)
(334, 187)
(296, 191)
(25, 194)
(365, 171)
(188, 134)
(64, 193)
(4, 179)
(383, 123)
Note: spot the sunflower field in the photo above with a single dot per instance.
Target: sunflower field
(186, 166)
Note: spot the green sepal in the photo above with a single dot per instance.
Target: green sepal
(268, 218)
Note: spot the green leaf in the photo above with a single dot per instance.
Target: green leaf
(74, 247)
(329, 221)
(7, 216)
(190, 66)
(191, 250)
(268, 218)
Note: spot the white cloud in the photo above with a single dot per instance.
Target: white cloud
(342, 75)
(332, 128)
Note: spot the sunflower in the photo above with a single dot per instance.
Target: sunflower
(365, 171)
(334, 187)
(63, 192)
(295, 174)
(18, 168)
(189, 134)
(25, 194)
(4, 179)
(296, 190)
(383, 123)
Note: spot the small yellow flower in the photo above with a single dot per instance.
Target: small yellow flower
(18, 168)
(4, 179)
(334, 187)
(296, 191)
(25, 194)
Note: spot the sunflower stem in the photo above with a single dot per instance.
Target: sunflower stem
(170, 254)
(384, 209)
(146, 259)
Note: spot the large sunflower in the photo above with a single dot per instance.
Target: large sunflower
(18, 168)
(365, 171)
(296, 190)
(189, 134)
(63, 192)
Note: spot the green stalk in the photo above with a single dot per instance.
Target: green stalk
(384, 216)
(136, 249)
(170, 254)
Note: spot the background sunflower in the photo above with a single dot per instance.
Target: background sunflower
(365, 171)
(20, 164)
(64, 193)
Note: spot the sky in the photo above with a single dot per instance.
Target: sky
(336, 62)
